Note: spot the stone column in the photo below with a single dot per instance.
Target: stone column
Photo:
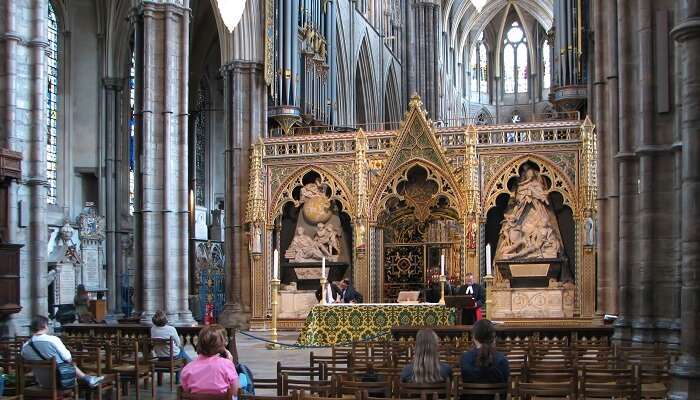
(686, 372)
(113, 88)
(161, 209)
(421, 57)
(245, 103)
(23, 38)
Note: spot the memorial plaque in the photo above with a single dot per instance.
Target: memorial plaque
(64, 285)
(200, 223)
(91, 268)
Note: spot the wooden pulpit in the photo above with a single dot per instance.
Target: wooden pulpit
(460, 304)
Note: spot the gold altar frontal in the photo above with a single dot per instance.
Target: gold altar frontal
(328, 325)
(406, 196)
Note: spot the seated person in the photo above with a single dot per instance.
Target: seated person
(483, 364)
(426, 366)
(81, 301)
(332, 293)
(42, 346)
(348, 294)
(161, 330)
(213, 371)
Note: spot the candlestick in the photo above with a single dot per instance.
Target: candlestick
(323, 290)
(275, 283)
(442, 290)
(488, 259)
(323, 267)
(488, 281)
(275, 265)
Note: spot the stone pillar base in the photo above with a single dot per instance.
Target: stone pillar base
(186, 319)
(234, 316)
(686, 378)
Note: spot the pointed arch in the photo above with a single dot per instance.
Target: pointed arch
(285, 194)
(392, 102)
(483, 117)
(365, 103)
(343, 81)
(559, 180)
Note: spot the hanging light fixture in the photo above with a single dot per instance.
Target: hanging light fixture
(478, 4)
(231, 12)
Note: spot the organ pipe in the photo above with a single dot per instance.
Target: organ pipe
(305, 81)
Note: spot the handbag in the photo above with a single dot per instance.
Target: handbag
(65, 371)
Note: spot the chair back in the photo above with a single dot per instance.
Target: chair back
(183, 394)
(430, 390)
(528, 390)
(246, 396)
(496, 390)
(314, 372)
(313, 386)
(355, 387)
(48, 367)
(607, 383)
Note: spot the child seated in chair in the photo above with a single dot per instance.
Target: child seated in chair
(213, 371)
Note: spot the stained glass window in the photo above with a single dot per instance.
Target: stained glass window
(515, 66)
(546, 68)
(52, 107)
(480, 66)
(132, 126)
(200, 126)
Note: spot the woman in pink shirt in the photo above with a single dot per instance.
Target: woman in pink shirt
(212, 372)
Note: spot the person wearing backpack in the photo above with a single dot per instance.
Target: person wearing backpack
(42, 346)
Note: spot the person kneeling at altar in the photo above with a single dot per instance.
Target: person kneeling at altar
(332, 293)
(472, 288)
(348, 294)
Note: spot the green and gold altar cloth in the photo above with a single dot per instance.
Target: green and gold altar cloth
(328, 325)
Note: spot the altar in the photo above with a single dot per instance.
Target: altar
(328, 325)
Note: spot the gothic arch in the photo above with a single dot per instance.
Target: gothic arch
(447, 187)
(339, 191)
(392, 113)
(342, 79)
(365, 104)
(482, 117)
(499, 183)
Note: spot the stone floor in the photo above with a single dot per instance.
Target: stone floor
(253, 353)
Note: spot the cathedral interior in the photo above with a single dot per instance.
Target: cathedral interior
(169, 156)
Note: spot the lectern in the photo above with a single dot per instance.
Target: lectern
(460, 304)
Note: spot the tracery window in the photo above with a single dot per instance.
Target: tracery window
(52, 107)
(515, 68)
(480, 66)
(132, 125)
(200, 126)
(546, 65)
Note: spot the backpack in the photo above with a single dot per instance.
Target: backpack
(245, 379)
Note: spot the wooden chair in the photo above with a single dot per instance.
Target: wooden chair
(9, 363)
(304, 396)
(185, 395)
(366, 396)
(529, 390)
(467, 389)
(315, 372)
(130, 367)
(53, 392)
(274, 385)
(246, 396)
(335, 364)
(434, 391)
(381, 388)
(607, 383)
(91, 361)
(313, 386)
(170, 365)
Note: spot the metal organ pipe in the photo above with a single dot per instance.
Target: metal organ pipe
(332, 62)
(286, 38)
(294, 37)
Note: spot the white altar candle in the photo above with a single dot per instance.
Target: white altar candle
(442, 264)
(488, 259)
(323, 267)
(276, 265)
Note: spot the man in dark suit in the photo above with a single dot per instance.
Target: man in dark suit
(471, 288)
(348, 294)
(332, 293)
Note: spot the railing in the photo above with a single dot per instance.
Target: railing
(343, 144)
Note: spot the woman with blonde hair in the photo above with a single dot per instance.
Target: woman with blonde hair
(426, 366)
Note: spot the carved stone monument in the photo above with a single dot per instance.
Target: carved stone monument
(317, 234)
(92, 234)
(67, 274)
